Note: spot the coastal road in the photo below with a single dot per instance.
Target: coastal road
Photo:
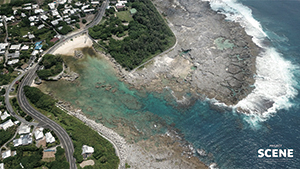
(9, 106)
(63, 136)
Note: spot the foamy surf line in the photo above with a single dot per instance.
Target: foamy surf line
(274, 80)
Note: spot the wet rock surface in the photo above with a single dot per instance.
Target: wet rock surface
(212, 56)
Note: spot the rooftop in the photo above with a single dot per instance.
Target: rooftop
(6, 154)
(7, 124)
(87, 149)
(49, 137)
(24, 129)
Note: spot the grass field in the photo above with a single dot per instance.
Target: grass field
(24, 30)
(124, 15)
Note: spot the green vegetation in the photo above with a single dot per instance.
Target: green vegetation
(148, 35)
(2, 100)
(6, 135)
(52, 64)
(65, 28)
(30, 157)
(6, 9)
(77, 26)
(2, 92)
(104, 155)
(60, 160)
(8, 76)
(124, 16)
(17, 107)
(127, 165)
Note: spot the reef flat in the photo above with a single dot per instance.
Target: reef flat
(212, 56)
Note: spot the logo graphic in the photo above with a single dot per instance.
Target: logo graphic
(275, 151)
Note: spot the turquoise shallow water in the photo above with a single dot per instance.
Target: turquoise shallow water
(229, 137)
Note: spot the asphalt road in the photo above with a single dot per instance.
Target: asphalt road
(63, 136)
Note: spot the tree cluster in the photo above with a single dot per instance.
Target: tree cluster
(29, 157)
(148, 35)
(52, 66)
(41, 100)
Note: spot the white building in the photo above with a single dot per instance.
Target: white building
(7, 124)
(25, 47)
(1, 165)
(30, 36)
(9, 18)
(78, 3)
(4, 116)
(35, 52)
(32, 24)
(32, 18)
(24, 129)
(23, 140)
(85, 6)
(87, 149)
(38, 133)
(41, 26)
(121, 3)
(3, 46)
(51, 5)
(28, 4)
(95, 2)
(61, 1)
(49, 137)
(13, 62)
(55, 12)
(34, 6)
(17, 142)
(6, 154)
(15, 47)
(27, 8)
(38, 11)
(88, 10)
(55, 22)
(44, 17)
(23, 15)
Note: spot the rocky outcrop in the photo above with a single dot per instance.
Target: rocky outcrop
(213, 56)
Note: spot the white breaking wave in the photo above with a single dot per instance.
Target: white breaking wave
(274, 80)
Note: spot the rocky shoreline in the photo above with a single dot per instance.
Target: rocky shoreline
(212, 57)
(173, 151)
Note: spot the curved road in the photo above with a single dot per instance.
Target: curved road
(45, 121)
(27, 108)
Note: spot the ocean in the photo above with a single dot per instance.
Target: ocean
(231, 139)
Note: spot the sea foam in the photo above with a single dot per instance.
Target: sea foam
(274, 80)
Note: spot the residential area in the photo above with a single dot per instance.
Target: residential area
(26, 145)
(28, 29)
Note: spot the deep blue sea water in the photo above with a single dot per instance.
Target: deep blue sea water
(232, 139)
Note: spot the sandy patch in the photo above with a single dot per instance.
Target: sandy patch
(86, 163)
(70, 46)
(41, 142)
(34, 85)
(48, 156)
